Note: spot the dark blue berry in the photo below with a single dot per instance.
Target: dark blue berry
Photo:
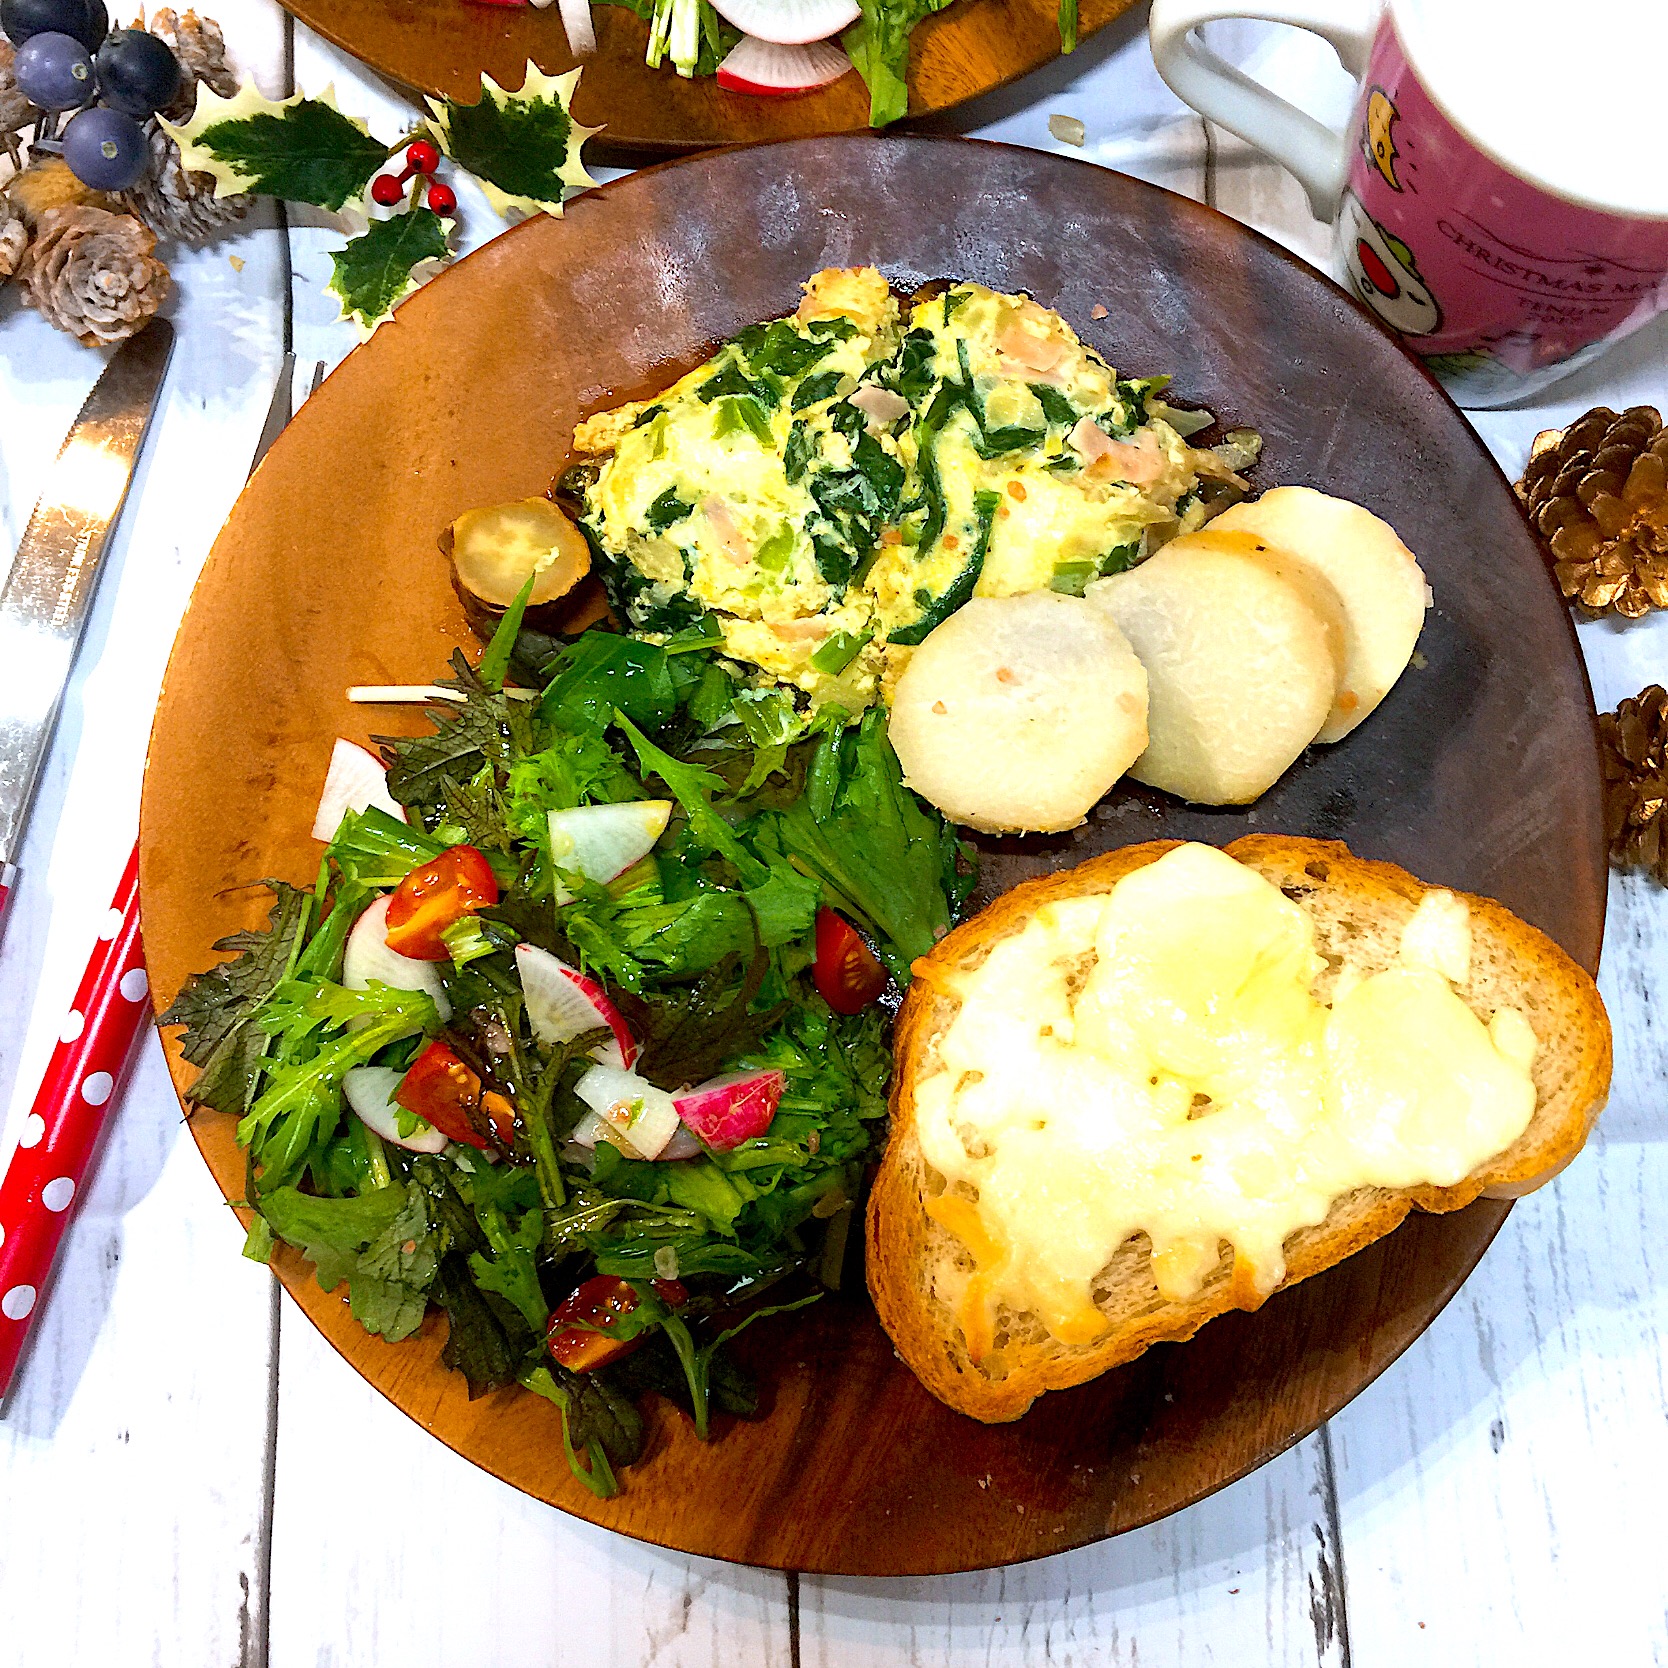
(86, 20)
(54, 72)
(105, 149)
(137, 73)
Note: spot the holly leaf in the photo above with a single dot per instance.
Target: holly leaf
(377, 269)
(523, 146)
(301, 149)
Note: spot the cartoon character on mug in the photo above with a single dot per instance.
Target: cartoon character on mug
(1378, 140)
(1383, 273)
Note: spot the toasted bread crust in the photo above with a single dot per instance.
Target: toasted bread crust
(1511, 961)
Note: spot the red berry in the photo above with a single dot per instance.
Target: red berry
(387, 191)
(442, 198)
(422, 156)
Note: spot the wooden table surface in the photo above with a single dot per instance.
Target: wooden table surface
(189, 1476)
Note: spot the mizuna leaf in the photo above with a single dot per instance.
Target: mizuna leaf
(523, 146)
(376, 269)
(302, 149)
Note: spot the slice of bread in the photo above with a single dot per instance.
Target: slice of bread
(1359, 909)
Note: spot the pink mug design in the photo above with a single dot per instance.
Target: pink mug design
(1463, 217)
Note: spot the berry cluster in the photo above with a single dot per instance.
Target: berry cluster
(422, 157)
(69, 59)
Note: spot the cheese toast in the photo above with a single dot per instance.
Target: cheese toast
(1359, 910)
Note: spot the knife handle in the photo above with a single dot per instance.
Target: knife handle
(55, 1149)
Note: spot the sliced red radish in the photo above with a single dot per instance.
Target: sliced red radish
(682, 1145)
(356, 779)
(631, 1106)
(601, 841)
(370, 1092)
(563, 1003)
(725, 1111)
(367, 960)
(576, 19)
(775, 68)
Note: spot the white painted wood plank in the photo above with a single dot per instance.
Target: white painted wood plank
(424, 1561)
(1248, 1576)
(132, 1449)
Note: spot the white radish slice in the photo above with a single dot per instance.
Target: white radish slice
(563, 1003)
(602, 841)
(1379, 583)
(682, 1145)
(773, 69)
(576, 19)
(1018, 713)
(370, 1092)
(355, 780)
(725, 1111)
(367, 960)
(631, 1106)
(1241, 653)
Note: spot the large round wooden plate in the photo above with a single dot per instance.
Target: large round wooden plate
(445, 46)
(1478, 772)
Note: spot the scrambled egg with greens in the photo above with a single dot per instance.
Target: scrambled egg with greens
(829, 486)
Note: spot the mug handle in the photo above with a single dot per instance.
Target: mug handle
(1225, 95)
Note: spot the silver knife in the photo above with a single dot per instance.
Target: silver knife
(44, 602)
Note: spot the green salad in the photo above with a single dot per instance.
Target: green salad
(580, 1036)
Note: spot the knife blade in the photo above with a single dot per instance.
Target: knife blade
(46, 596)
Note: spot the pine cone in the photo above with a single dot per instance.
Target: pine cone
(1597, 495)
(1633, 753)
(14, 238)
(176, 203)
(201, 49)
(93, 274)
(48, 184)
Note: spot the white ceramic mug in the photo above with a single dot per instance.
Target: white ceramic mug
(1500, 196)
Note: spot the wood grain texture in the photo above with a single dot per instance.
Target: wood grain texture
(1253, 1575)
(445, 46)
(657, 267)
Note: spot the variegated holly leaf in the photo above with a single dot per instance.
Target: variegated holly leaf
(301, 149)
(523, 146)
(377, 269)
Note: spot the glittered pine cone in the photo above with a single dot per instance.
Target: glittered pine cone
(176, 203)
(1597, 496)
(93, 273)
(201, 49)
(14, 238)
(1633, 752)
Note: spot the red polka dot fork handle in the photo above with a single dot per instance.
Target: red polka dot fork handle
(55, 1148)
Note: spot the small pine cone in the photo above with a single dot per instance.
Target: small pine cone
(1633, 753)
(16, 112)
(1597, 495)
(93, 274)
(201, 49)
(175, 203)
(47, 184)
(14, 238)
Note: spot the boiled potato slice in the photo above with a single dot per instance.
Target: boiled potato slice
(1377, 579)
(1242, 663)
(1018, 713)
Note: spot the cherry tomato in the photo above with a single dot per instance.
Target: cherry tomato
(431, 898)
(845, 973)
(574, 1339)
(501, 1114)
(673, 1293)
(440, 1088)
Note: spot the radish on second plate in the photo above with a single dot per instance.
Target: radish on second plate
(789, 22)
(631, 1106)
(367, 960)
(602, 841)
(563, 1003)
(772, 69)
(725, 1111)
(356, 779)
(370, 1092)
